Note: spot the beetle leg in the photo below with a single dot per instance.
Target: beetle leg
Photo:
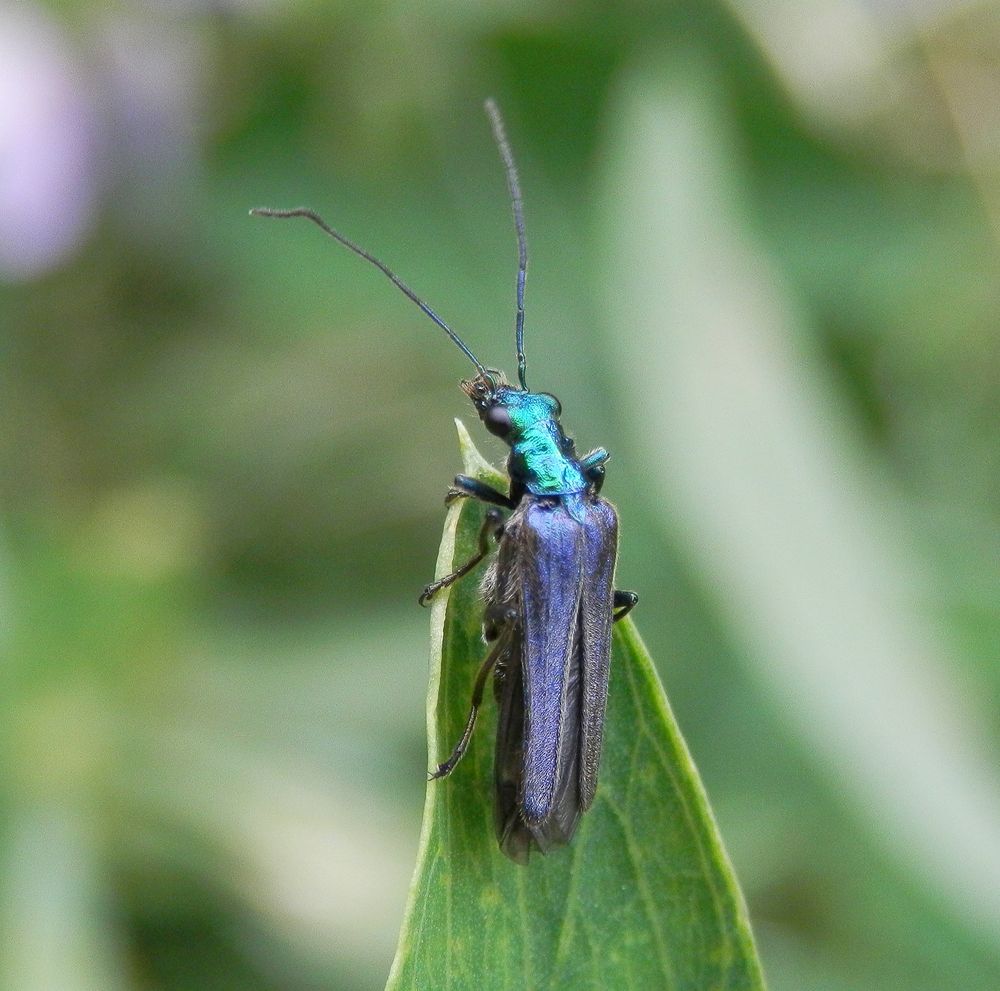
(465, 486)
(593, 467)
(496, 621)
(492, 526)
(622, 604)
(444, 769)
(595, 475)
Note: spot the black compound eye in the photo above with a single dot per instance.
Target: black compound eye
(497, 420)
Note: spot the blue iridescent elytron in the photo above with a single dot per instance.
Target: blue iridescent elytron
(549, 591)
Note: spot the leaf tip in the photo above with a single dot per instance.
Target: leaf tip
(473, 463)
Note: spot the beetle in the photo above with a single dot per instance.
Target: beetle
(549, 596)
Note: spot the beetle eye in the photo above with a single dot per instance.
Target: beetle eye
(554, 404)
(497, 420)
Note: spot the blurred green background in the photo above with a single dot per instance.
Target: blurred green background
(764, 273)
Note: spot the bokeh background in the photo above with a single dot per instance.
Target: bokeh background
(765, 273)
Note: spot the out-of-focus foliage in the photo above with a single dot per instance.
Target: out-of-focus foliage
(764, 272)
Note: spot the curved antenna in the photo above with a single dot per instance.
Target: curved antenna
(396, 281)
(517, 204)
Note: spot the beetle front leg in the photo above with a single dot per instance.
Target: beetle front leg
(465, 486)
(492, 526)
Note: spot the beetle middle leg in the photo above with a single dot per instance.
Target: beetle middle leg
(622, 604)
(500, 647)
(492, 527)
(593, 467)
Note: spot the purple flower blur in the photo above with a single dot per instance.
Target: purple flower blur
(47, 176)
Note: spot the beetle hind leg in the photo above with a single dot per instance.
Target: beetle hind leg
(500, 647)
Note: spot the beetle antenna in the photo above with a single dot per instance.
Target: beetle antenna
(381, 266)
(517, 205)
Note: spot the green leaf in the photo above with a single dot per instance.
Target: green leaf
(644, 897)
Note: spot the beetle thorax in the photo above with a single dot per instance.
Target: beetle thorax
(541, 457)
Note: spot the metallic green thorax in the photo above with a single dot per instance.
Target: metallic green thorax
(540, 453)
(542, 460)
